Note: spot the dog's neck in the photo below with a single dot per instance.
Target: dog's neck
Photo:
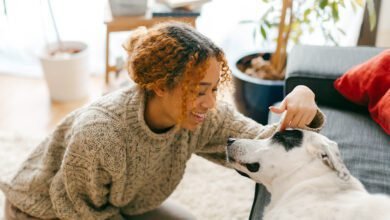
(308, 174)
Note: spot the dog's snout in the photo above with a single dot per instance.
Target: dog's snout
(230, 141)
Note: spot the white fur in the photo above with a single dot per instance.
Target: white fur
(309, 182)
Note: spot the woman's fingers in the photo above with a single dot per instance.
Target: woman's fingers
(298, 117)
(296, 122)
(298, 114)
(304, 121)
(280, 109)
(276, 110)
(307, 117)
(287, 119)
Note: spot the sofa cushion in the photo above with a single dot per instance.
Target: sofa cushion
(317, 67)
(364, 146)
(381, 112)
(367, 82)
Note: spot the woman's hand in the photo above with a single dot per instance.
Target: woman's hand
(300, 108)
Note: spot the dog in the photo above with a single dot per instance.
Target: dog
(306, 177)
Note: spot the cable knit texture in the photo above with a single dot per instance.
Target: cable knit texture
(102, 160)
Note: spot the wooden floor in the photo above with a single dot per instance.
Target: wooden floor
(25, 105)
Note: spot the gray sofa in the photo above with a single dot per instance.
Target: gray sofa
(364, 146)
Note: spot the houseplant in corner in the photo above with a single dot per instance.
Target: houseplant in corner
(258, 76)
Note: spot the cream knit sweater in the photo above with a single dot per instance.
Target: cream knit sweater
(103, 160)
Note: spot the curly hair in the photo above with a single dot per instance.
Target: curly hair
(169, 54)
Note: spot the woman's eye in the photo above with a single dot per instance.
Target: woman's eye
(204, 93)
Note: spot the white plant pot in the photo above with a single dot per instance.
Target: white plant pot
(67, 75)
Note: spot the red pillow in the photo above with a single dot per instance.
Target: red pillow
(367, 83)
(381, 112)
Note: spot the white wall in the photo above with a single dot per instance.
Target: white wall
(383, 34)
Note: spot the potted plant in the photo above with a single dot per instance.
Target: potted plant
(258, 76)
(65, 66)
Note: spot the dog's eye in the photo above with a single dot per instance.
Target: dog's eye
(253, 167)
(324, 156)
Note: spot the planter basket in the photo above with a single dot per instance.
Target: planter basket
(253, 96)
(67, 76)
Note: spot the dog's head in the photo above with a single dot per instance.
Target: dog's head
(265, 159)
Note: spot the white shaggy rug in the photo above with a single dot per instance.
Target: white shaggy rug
(210, 191)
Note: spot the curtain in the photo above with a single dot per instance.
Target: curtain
(26, 28)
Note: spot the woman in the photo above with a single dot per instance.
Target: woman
(123, 155)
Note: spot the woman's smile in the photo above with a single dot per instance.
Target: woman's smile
(198, 116)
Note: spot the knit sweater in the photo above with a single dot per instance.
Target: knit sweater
(103, 160)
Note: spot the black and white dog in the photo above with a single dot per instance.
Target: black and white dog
(306, 177)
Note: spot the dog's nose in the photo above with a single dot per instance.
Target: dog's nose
(230, 141)
(253, 167)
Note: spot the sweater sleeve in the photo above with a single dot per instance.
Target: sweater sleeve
(95, 156)
(224, 122)
(227, 122)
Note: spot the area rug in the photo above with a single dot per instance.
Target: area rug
(210, 191)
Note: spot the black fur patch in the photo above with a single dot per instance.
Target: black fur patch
(288, 138)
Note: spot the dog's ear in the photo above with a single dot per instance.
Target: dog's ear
(329, 153)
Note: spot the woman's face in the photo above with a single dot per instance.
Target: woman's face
(205, 100)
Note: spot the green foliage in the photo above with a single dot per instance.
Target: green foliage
(292, 18)
(306, 12)
(372, 14)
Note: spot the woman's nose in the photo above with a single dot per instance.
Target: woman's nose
(209, 101)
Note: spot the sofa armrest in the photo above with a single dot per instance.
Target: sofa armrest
(317, 67)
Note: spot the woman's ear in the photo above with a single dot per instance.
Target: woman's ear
(159, 91)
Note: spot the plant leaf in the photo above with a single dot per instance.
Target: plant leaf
(263, 32)
(341, 31)
(359, 2)
(306, 14)
(267, 23)
(247, 22)
(335, 11)
(353, 6)
(371, 14)
(5, 8)
(323, 4)
(342, 3)
(254, 34)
